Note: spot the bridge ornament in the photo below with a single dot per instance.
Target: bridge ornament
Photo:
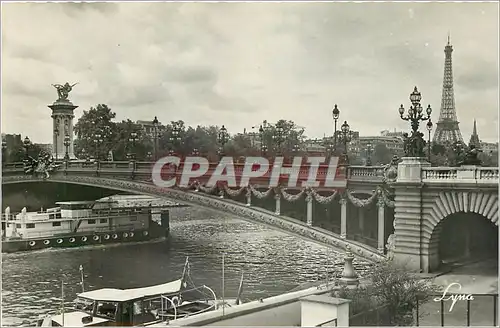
(390, 171)
(40, 167)
(391, 242)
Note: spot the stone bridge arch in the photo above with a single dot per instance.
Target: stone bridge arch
(446, 206)
(194, 198)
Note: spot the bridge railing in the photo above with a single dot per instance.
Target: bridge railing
(483, 175)
(358, 173)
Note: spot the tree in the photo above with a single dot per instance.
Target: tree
(381, 154)
(291, 135)
(393, 290)
(93, 123)
(123, 146)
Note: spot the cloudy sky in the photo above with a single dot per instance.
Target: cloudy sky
(240, 63)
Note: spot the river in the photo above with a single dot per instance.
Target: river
(273, 262)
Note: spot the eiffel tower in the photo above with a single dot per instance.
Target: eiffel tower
(447, 130)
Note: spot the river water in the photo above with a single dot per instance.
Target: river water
(272, 262)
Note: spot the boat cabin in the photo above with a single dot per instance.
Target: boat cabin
(118, 307)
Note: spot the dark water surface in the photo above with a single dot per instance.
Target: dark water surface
(273, 262)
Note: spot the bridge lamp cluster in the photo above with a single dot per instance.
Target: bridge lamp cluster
(345, 138)
(335, 115)
(133, 139)
(26, 145)
(223, 138)
(414, 144)
(263, 146)
(369, 151)
(175, 136)
(67, 143)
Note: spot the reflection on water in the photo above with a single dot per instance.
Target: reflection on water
(273, 263)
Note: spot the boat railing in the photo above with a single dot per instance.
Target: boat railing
(103, 214)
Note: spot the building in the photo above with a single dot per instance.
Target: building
(148, 128)
(486, 147)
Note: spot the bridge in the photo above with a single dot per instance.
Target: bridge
(407, 210)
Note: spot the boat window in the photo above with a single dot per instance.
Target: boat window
(30, 225)
(56, 224)
(84, 304)
(18, 225)
(103, 220)
(138, 308)
(106, 309)
(91, 221)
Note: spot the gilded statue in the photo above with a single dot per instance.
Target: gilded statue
(63, 90)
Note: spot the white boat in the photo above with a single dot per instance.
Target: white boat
(137, 306)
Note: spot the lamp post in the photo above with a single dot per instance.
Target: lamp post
(414, 145)
(223, 138)
(196, 152)
(4, 151)
(175, 137)
(149, 155)
(97, 141)
(56, 133)
(429, 129)
(133, 139)
(346, 137)
(335, 115)
(278, 137)
(263, 146)
(369, 150)
(26, 145)
(155, 137)
(67, 142)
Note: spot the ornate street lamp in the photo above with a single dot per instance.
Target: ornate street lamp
(345, 137)
(155, 137)
(196, 152)
(278, 137)
(414, 145)
(26, 145)
(97, 141)
(429, 129)
(369, 150)
(335, 115)
(4, 151)
(223, 138)
(295, 148)
(133, 139)
(56, 133)
(175, 137)
(67, 143)
(263, 146)
(149, 155)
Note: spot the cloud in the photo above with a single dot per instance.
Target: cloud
(238, 64)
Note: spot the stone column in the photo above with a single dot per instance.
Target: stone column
(410, 248)
(249, 196)
(381, 225)
(277, 197)
(361, 219)
(309, 200)
(343, 218)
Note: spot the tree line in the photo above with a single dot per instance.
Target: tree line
(98, 134)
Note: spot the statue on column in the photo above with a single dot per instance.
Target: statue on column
(63, 90)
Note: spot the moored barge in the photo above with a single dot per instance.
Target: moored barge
(82, 223)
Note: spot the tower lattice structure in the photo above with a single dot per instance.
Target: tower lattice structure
(447, 130)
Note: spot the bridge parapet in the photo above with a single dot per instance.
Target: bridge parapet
(372, 174)
(460, 175)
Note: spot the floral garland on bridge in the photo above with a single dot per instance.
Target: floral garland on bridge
(260, 194)
(361, 202)
(290, 197)
(234, 192)
(324, 200)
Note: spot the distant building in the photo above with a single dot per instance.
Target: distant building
(148, 127)
(486, 147)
